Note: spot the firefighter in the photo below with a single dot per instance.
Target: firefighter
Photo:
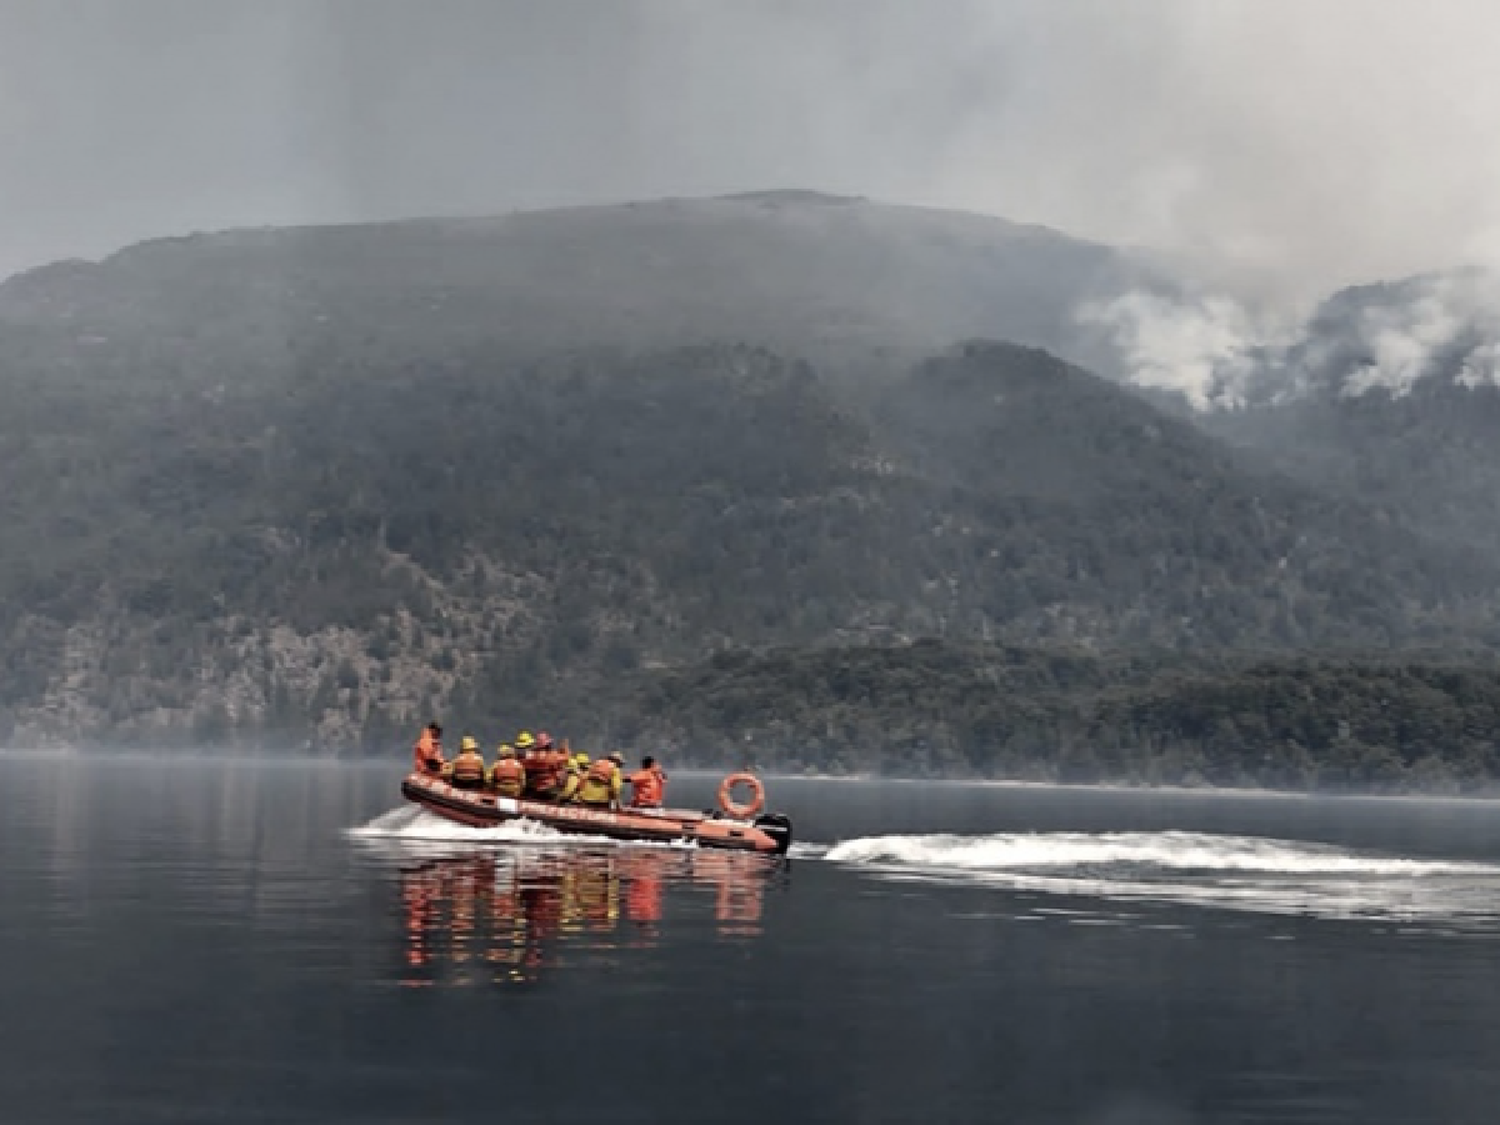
(602, 784)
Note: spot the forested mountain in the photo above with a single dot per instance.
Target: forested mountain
(832, 279)
(1390, 394)
(652, 474)
(1429, 458)
(348, 551)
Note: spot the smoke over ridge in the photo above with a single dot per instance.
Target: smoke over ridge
(1279, 150)
(1288, 149)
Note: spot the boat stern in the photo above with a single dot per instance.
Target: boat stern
(779, 828)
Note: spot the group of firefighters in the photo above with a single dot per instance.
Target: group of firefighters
(533, 767)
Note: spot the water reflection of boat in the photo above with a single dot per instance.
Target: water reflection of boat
(502, 917)
(731, 827)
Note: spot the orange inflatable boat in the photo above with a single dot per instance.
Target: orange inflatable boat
(737, 826)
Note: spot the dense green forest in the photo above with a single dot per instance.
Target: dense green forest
(937, 709)
(709, 552)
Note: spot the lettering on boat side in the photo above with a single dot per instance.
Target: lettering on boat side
(513, 807)
(581, 814)
(586, 816)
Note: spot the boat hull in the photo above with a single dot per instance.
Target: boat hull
(477, 808)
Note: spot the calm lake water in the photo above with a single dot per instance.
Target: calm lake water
(283, 942)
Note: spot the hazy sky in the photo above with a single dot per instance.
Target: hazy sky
(1300, 142)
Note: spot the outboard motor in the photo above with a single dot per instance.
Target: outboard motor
(778, 827)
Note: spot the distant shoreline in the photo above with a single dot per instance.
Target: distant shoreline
(397, 763)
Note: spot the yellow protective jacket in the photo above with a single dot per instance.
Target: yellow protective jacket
(601, 785)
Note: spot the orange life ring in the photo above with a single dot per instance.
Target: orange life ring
(738, 811)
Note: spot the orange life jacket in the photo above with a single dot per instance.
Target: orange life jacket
(427, 754)
(649, 787)
(508, 777)
(545, 769)
(468, 766)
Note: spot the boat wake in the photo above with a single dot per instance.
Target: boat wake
(1186, 851)
(417, 825)
(415, 829)
(1250, 874)
(1244, 873)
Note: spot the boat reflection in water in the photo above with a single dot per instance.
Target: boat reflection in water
(508, 915)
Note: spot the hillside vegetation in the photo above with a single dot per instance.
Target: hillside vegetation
(934, 708)
(310, 489)
(338, 555)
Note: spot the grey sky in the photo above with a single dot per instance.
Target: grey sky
(1302, 143)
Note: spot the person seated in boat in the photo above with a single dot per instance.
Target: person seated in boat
(648, 785)
(578, 765)
(427, 754)
(602, 784)
(529, 756)
(528, 744)
(545, 768)
(507, 775)
(467, 770)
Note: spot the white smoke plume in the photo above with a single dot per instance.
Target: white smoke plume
(1293, 146)
(1207, 348)
(1296, 148)
(1449, 317)
(1219, 352)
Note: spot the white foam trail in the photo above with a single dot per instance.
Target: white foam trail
(388, 823)
(809, 851)
(418, 824)
(1241, 873)
(1190, 851)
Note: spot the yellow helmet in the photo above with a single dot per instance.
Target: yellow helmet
(506, 750)
(580, 759)
(524, 739)
(469, 743)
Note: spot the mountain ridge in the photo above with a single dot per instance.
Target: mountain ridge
(315, 487)
(839, 283)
